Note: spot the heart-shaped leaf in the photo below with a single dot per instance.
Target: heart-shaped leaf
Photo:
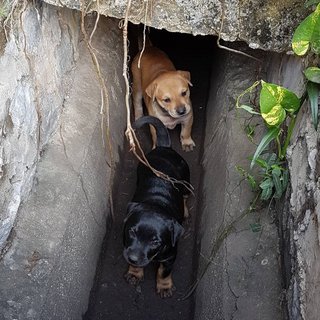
(313, 74)
(274, 101)
(307, 34)
(275, 116)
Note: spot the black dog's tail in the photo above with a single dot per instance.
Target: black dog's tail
(163, 138)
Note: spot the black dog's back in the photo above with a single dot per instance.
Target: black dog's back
(158, 191)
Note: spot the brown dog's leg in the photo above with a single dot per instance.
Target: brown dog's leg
(153, 136)
(134, 275)
(136, 90)
(185, 137)
(165, 285)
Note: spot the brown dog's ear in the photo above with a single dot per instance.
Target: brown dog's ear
(151, 90)
(185, 75)
(176, 232)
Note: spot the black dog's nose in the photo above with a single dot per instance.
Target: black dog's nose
(181, 110)
(133, 258)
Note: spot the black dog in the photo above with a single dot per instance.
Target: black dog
(153, 223)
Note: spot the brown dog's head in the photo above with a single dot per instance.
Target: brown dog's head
(171, 91)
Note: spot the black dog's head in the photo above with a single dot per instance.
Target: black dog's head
(148, 234)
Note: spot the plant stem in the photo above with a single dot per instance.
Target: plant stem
(279, 147)
(293, 119)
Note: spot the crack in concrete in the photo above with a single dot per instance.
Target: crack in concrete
(236, 297)
(79, 176)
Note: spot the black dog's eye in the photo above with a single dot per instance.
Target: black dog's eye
(132, 233)
(184, 93)
(167, 100)
(155, 242)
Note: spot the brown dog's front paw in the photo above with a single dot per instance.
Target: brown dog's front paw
(166, 293)
(187, 144)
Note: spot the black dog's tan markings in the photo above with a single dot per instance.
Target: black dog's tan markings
(134, 275)
(153, 223)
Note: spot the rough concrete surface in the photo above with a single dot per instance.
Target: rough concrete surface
(54, 172)
(262, 24)
(48, 267)
(32, 96)
(298, 221)
(243, 279)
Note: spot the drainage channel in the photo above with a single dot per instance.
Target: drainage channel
(111, 297)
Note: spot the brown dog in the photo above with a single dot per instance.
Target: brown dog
(165, 91)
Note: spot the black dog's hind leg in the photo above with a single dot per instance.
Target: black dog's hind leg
(165, 286)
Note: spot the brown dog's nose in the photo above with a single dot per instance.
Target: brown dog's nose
(181, 110)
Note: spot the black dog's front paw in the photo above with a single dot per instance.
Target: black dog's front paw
(132, 279)
(166, 293)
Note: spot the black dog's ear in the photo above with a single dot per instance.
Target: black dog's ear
(176, 232)
(130, 209)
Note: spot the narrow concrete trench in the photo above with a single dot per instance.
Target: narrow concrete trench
(112, 298)
(50, 266)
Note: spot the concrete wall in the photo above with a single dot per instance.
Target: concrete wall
(298, 221)
(262, 24)
(55, 182)
(243, 280)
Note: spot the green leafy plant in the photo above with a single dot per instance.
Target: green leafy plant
(278, 109)
(272, 177)
(307, 36)
(276, 105)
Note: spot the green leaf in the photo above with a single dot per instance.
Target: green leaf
(266, 183)
(313, 94)
(275, 116)
(248, 109)
(311, 2)
(276, 173)
(250, 131)
(255, 227)
(307, 34)
(266, 194)
(271, 159)
(248, 177)
(262, 163)
(269, 136)
(272, 95)
(313, 74)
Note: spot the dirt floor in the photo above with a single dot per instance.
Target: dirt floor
(112, 298)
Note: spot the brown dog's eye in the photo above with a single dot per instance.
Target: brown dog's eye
(167, 100)
(184, 93)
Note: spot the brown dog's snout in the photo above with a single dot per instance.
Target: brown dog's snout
(181, 110)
